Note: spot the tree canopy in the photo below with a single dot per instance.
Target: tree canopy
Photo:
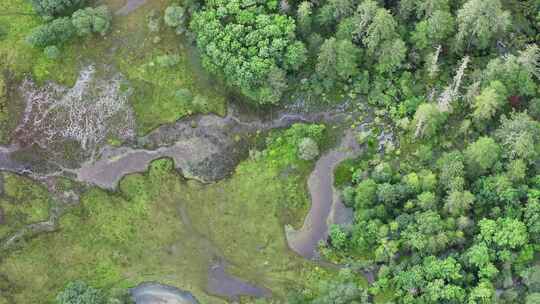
(252, 45)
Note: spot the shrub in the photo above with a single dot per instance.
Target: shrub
(92, 20)
(78, 292)
(54, 33)
(338, 237)
(55, 8)
(52, 52)
(175, 16)
(308, 149)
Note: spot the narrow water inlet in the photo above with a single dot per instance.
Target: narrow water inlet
(222, 284)
(326, 205)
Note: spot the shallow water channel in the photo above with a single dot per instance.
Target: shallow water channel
(326, 206)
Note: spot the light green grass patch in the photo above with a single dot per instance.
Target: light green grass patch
(160, 227)
(24, 202)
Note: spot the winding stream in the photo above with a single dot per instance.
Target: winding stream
(204, 147)
(222, 284)
(326, 206)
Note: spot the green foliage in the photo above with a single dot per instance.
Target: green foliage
(489, 102)
(79, 293)
(377, 30)
(308, 149)
(428, 120)
(92, 20)
(175, 16)
(434, 30)
(533, 298)
(532, 218)
(365, 194)
(504, 232)
(334, 10)
(4, 115)
(531, 278)
(412, 180)
(52, 52)
(458, 203)
(295, 56)
(337, 61)
(516, 73)
(436, 281)
(304, 17)
(481, 155)
(422, 8)
(451, 216)
(246, 45)
(55, 8)
(338, 237)
(484, 293)
(54, 33)
(452, 170)
(427, 201)
(288, 144)
(382, 172)
(480, 23)
(519, 136)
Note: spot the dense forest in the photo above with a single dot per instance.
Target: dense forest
(448, 211)
(450, 215)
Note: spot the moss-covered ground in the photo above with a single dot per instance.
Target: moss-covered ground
(130, 48)
(23, 202)
(160, 227)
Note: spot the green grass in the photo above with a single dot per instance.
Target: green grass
(128, 48)
(16, 21)
(119, 239)
(23, 202)
(155, 87)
